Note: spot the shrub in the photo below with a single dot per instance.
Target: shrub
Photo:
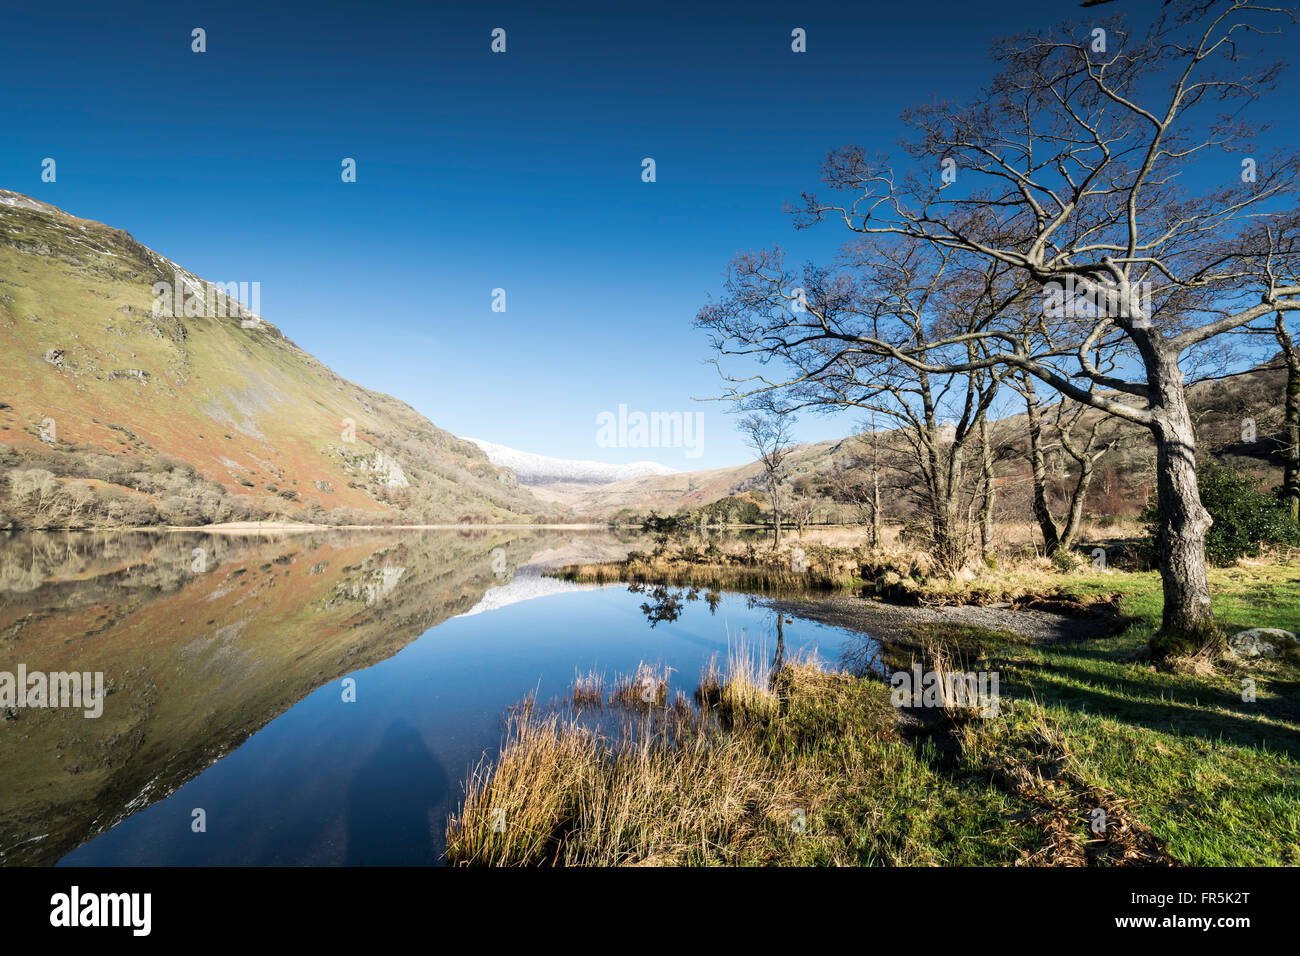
(176, 510)
(131, 512)
(1245, 516)
(1067, 560)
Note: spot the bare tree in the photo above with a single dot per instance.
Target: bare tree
(1064, 181)
(922, 295)
(1077, 436)
(856, 482)
(801, 512)
(768, 432)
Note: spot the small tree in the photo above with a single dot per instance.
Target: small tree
(1077, 434)
(855, 482)
(801, 511)
(767, 431)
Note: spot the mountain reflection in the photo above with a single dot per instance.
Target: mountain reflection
(202, 640)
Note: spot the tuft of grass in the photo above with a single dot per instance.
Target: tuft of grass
(645, 689)
(519, 811)
(959, 701)
(806, 768)
(588, 690)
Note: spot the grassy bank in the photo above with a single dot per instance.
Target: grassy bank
(817, 767)
(814, 772)
(827, 563)
(733, 567)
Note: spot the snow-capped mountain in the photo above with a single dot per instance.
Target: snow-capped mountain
(534, 470)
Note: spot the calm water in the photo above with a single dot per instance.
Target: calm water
(228, 659)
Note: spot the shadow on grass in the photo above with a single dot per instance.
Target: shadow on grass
(1160, 706)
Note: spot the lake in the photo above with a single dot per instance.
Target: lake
(310, 698)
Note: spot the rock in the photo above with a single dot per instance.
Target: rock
(388, 471)
(55, 357)
(136, 374)
(1259, 641)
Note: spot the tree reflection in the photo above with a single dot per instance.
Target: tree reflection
(665, 603)
(778, 659)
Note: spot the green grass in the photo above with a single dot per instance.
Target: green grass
(1264, 595)
(1217, 779)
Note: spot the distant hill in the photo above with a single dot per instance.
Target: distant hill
(1226, 412)
(126, 403)
(688, 490)
(539, 470)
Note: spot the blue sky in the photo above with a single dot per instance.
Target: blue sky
(479, 171)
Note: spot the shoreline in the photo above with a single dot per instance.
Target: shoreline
(271, 527)
(884, 621)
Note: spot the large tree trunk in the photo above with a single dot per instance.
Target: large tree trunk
(949, 546)
(1183, 519)
(986, 506)
(1290, 421)
(876, 542)
(1038, 462)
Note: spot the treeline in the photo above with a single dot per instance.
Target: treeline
(57, 489)
(731, 511)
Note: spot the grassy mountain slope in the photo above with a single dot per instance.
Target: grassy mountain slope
(117, 411)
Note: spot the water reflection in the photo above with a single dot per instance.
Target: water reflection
(396, 801)
(778, 659)
(222, 658)
(666, 602)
